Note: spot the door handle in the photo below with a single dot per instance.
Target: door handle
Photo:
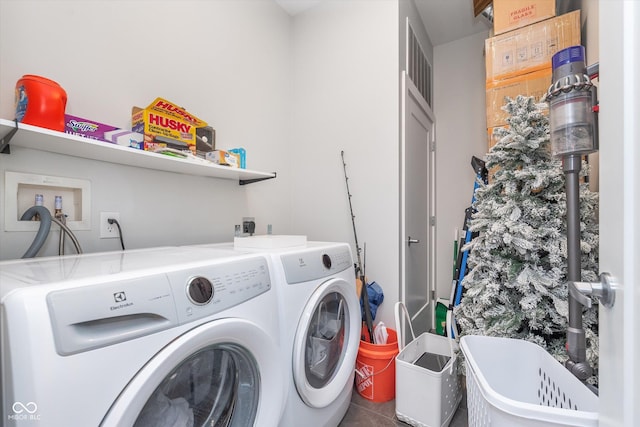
(410, 241)
(602, 290)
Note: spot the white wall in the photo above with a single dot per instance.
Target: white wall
(293, 91)
(459, 105)
(346, 98)
(237, 65)
(589, 15)
(228, 62)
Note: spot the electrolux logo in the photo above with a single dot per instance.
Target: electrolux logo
(24, 412)
(120, 298)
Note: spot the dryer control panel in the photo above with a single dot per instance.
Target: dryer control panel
(305, 266)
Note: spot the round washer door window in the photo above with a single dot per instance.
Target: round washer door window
(205, 390)
(223, 373)
(326, 343)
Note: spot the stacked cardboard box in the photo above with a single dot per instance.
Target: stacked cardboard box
(518, 62)
(510, 15)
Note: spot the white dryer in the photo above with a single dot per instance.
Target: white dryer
(170, 336)
(321, 325)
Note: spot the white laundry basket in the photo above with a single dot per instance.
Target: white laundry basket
(514, 382)
(427, 394)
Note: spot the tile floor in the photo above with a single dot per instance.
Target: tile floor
(364, 413)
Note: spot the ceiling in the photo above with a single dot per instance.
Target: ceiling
(449, 20)
(445, 20)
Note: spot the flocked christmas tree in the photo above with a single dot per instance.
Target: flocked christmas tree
(517, 285)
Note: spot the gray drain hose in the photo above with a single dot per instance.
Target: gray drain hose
(43, 231)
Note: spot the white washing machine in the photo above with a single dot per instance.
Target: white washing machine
(321, 326)
(162, 337)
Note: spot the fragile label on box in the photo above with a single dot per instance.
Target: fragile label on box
(509, 15)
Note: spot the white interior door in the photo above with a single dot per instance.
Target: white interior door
(417, 247)
(619, 93)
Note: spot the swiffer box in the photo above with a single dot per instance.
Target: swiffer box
(509, 15)
(165, 124)
(530, 48)
(91, 129)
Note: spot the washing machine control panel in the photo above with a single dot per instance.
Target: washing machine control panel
(101, 314)
(204, 291)
(317, 264)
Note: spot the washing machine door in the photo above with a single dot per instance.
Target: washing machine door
(326, 343)
(223, 373)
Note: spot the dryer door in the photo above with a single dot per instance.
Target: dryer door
(326, 343)
(223, 373)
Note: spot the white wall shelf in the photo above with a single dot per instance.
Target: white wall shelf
(38, 138)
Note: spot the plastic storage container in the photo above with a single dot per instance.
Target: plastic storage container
(514, 382)
(427, 384)
(40, 102)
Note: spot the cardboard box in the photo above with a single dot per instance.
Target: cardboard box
(224, 158)
(533, 84)
(165, 124)
(91, 129)
(530, 49)
(491, 138)
(509, 15)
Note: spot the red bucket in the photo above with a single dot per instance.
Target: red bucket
(376, 368)
(40, 102)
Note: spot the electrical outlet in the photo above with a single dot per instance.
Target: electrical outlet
(248, 225)
(109, 231)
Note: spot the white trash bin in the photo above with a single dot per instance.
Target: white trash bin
(428, 389)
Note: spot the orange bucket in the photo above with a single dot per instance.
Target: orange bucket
(376, 368)
(40, 102)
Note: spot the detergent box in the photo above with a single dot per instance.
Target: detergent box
(224, 158)
(92, 129)
(164, 124)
